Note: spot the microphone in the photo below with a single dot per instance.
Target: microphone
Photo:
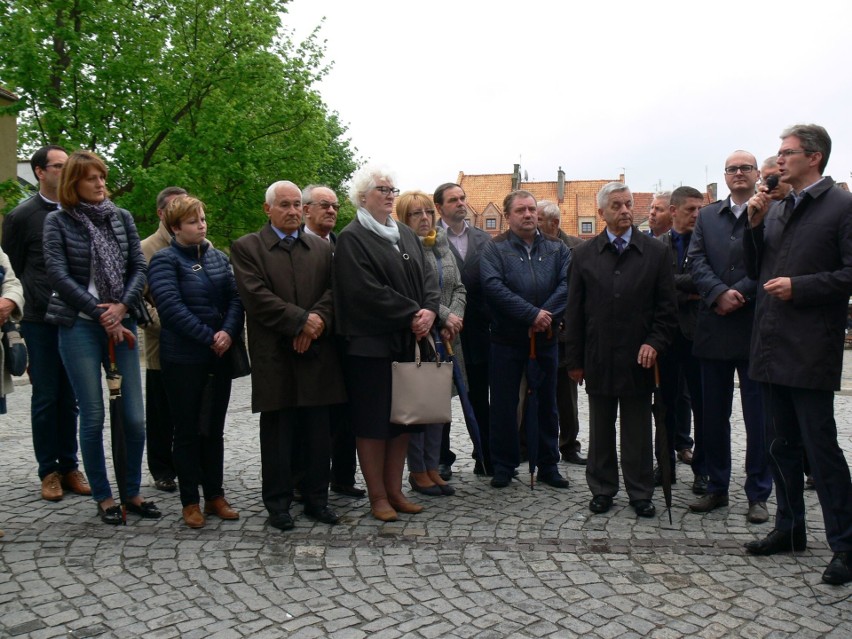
(771, 182)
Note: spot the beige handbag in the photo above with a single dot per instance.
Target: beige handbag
(421, 391)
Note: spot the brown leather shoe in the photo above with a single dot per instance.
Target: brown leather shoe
(192, 516)
(75, 481)
(685, 455)
(220, 507)
(51, 487)
(405, 506)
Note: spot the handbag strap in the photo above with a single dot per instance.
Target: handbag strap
(431, 341)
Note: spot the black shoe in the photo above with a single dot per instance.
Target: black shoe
(574, 457)
(281, 521)
(600, 503)
(447, 490)
(644, 507)
(500, 480)
(556, 480)
(779, 541)
(430, 491)
(146, 510)
(839, 571)
(445, 471)
(298, 496)
(166, 485)
(349, 491)
(111, 515)
(699, 485)
(658, 476)
(322, 514)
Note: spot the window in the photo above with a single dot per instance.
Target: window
(491, 224)
(587, 225)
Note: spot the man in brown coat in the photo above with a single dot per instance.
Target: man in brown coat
(284, 280)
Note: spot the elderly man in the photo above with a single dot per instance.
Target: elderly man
(524, 276)
(320, 207)
(621, 315)
(566, 388)
(722, 338)
(801, 251)
(284, 280)
(660, 216)
(53, 408)
(466, 244)
(159, 430)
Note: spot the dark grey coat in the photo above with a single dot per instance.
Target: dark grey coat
(687, 309)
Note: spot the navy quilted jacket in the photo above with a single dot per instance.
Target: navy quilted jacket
(68, 259)
(196, 296)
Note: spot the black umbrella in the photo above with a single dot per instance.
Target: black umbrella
(464, 398)
(116, 423)
(659, 411)
(535, 378)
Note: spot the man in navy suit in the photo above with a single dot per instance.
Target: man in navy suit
(722, 339)
(466, 243)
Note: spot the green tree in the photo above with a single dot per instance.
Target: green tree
(209, 95)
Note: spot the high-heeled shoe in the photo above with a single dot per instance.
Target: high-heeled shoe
(432, 491)
(405, 506)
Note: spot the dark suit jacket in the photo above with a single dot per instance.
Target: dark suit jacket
(616, 303)
(278, 289)
(800, 343)
(716, 262)
(687, 309)
(475, 335)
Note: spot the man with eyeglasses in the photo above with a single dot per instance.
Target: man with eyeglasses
(800, 249)
(320, 207)
(466, 243)
(722, 339)
(53, 409)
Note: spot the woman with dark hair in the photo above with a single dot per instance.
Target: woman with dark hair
(385, 297)
(424, 449)
(96, 268)
(201, 317)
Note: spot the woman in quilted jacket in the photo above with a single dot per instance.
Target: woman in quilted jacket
(201, 318)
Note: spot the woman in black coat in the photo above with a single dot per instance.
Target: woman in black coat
(201, 318)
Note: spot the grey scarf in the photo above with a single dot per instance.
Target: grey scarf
(107, 260)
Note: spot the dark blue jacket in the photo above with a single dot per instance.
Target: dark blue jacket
(196, 296)
(67, 255)
(517, 284)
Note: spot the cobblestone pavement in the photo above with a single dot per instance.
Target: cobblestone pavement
(484, 563)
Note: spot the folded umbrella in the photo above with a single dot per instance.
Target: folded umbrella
(659, 411)
(116, 423)
(535, 378)
(464, 398)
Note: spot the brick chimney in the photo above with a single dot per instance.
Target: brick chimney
(560, 185)
(516, 177)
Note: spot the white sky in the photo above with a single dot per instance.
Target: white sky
(660, 90)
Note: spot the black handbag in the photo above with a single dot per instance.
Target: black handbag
(14, 349)
(239, 357)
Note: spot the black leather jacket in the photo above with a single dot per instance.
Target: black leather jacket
(68, 257)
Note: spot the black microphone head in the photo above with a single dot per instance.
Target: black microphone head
(771, 182)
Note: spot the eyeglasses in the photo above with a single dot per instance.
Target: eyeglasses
(743, 168)
(326, 205)
(423, 213)
(56, 165)
(788, 152)
(387, 190)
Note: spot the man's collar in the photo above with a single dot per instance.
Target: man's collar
(450, 231)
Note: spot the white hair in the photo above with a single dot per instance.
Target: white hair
(270, 192)
(366, 178)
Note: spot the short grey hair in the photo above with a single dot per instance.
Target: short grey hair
(609, 189)
(663, 195)
(166, 193)
(365, 179)
(549, 210)
(270, 192)
(814, 139)
(308, 191)
(769, 163)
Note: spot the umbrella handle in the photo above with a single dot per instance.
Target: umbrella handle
(656, 375)
(112, 361)
(532, 344)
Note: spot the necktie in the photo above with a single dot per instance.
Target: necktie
(287, 242)
(619, 245)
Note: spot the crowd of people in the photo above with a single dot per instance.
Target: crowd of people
(755, 285)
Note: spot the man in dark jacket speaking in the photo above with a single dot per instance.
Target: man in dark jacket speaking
(800, 249)
(524, 278)
(622, 313)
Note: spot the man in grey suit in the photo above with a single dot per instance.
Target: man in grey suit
(621, 315)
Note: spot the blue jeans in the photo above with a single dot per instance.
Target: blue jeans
(83, 347)
(53, 408)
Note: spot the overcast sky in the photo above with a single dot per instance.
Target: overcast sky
(662, 91)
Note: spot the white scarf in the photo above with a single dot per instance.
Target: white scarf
(388, 231)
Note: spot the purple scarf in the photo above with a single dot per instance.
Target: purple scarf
(107, 260)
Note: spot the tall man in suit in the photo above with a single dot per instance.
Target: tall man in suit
(722, 338)
(53, 408)
(801, 250)
(566, 388)
(621, 315)
(679, 365)
(466, 243)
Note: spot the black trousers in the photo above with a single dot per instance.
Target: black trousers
(159, 431)
(343, 459)
(797, 419)
(679, 366)
(277, 448)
